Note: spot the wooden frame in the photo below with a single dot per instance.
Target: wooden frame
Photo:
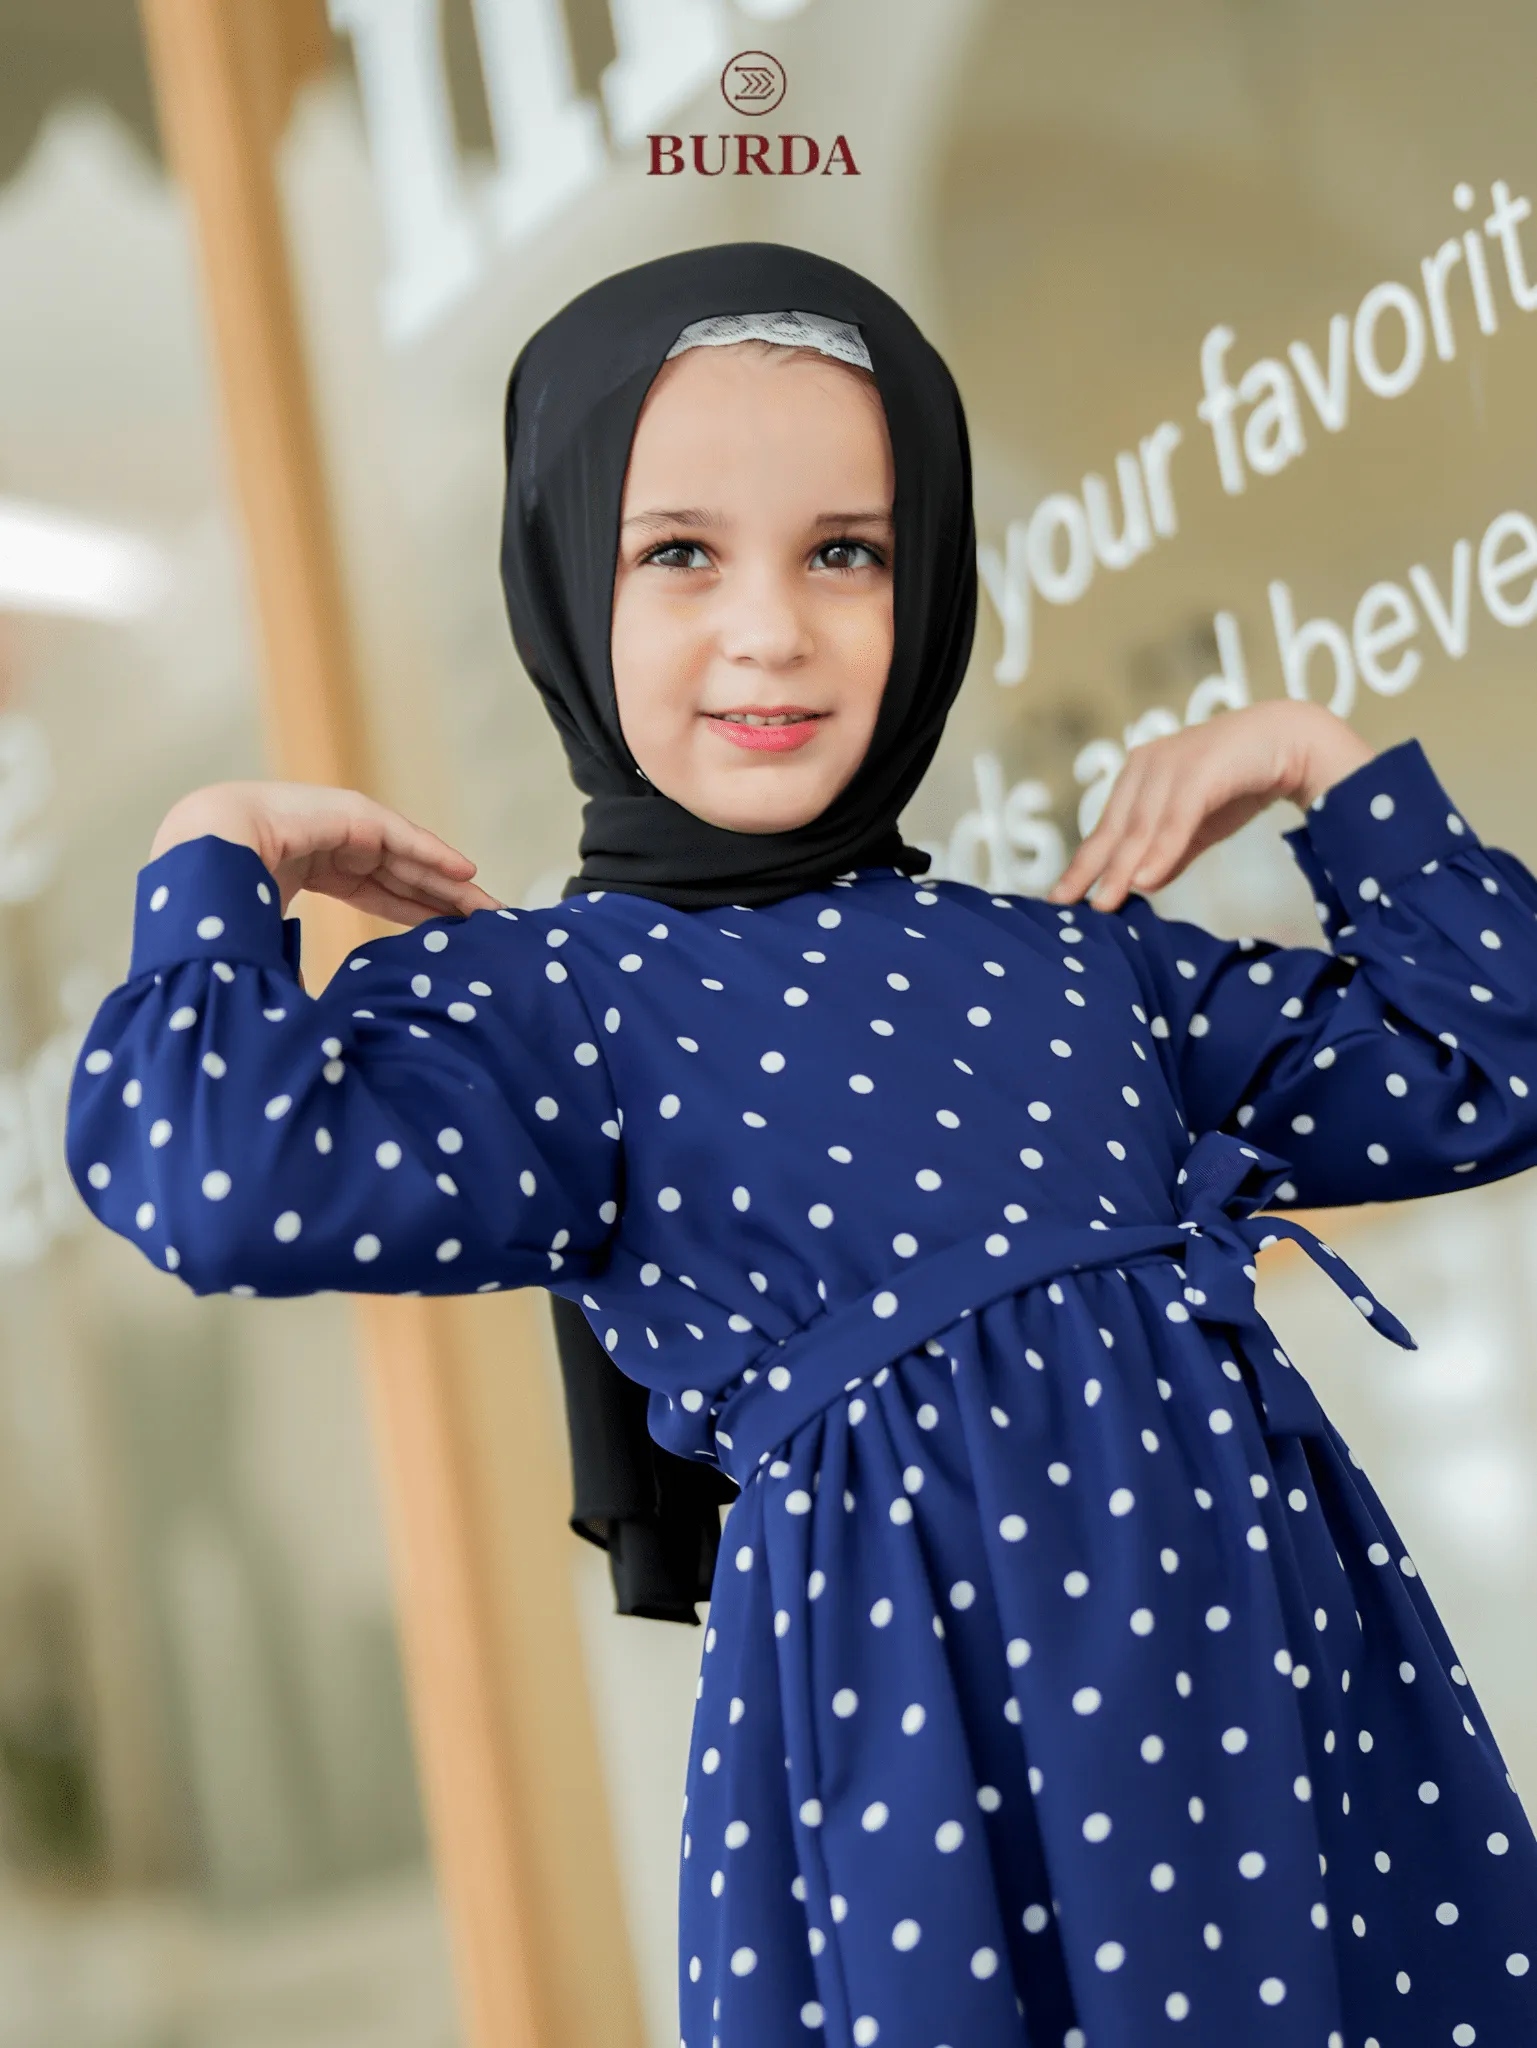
(473, 1475)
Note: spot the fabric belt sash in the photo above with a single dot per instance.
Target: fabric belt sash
(1222, 1182)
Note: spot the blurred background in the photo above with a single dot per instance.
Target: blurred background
(211, 1828)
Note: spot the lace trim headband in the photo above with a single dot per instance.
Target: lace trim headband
(786, 330)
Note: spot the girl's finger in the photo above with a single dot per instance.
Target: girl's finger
(377, 901)
(1085, 868)
(1114, 884)
(365, 840)
(1160, 829)
(1201, 820)
(367, 847)
(429, 885)
(1164, 843)
(1097, 847)
(425, 874)
(1125, 825)
(385, 895)
(416, 843)
(1157, 867)
(1074, 878)
(363, 894)
(375, 898)
(1169, 851)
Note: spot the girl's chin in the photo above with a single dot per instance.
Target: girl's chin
(735, 811)
(751, 792)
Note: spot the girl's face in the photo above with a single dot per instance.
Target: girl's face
(752, 625)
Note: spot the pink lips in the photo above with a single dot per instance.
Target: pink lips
(770, 739)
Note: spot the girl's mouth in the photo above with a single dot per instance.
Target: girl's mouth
(777, 731)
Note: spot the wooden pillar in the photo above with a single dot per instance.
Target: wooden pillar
(493, 1661)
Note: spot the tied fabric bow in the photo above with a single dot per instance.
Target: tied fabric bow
(1224, 1181)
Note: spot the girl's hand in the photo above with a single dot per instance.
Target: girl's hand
(335, 842)
(1178, 795)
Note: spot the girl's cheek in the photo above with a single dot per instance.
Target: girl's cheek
(867, 647)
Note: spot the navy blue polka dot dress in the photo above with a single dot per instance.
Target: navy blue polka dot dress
(1066, 1684)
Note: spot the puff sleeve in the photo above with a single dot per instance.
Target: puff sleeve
(439, 1120)
(1403, 1061)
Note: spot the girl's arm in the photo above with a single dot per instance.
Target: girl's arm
(1180, 794)
(1404, 1061)
(439, 1120)
(335, 842)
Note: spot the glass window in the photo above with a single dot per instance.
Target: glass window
(208, 1808)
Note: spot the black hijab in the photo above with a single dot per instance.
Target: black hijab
(575, 395)
(572, 404)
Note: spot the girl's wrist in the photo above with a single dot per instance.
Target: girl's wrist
(219, 810)
(1332, 750)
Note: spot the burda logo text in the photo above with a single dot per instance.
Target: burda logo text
(752, 84)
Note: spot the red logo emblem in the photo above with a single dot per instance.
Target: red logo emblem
(753, 82)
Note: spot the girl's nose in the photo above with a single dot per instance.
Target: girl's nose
(762, 623)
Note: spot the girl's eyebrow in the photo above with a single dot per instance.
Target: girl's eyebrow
(879, 516)
(695, 515)
(687, 515)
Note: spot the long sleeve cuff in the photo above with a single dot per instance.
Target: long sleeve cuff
(209, 899)
(1384, 821)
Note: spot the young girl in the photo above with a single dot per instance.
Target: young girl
(1066, 1685)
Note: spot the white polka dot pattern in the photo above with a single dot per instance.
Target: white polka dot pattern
(1071, 1756)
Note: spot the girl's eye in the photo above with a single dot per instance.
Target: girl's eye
(678, 554)
(842, 556)
(849, 554)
